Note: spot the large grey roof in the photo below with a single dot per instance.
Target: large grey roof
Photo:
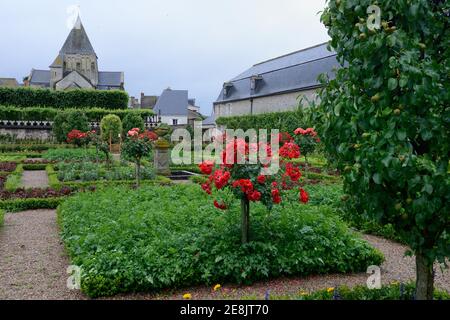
(41, 77)
(210, 121)
(110, 79)
(77, 41)
(293, 72)
(172, 103)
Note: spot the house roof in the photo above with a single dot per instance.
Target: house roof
(292, 72)
(9, 82)
(210, 121)
(172, 103)
(148, 102)
(77, 41)
(105, 79)
(40, 77)
(110, 78)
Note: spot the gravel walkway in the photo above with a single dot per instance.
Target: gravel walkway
(35, 179)
(33, 265)
(32, 260)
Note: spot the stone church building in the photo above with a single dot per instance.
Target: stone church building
(75, 67)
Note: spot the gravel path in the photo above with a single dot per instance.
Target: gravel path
(35, 179)
(32, 260)
(33, 266)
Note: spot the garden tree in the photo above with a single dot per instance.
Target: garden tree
(136, 147)
(307, 139)
(65, 122)
(132, 120)
(386, 119)
(111, 128)
(245, 179)
(100, 146)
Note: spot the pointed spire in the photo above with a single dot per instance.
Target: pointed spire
(77, 41)
(78, 23)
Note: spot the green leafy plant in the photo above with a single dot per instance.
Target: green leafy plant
(131, 121)
(386, 121)
(111, 128)
(155, 238)
(80, 99)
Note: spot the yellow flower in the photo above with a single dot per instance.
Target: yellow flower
(217, 287)
(187, 296)
(395, 282)
(329, 290)
(303, 293)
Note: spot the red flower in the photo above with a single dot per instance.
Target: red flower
(276, 196)
(206, 167)
(290, 150)
(303, 132)
(221, 206)
(304, 197)
(133, 133)
(261, 179)
(207, 188)
(236, 152)
(245, 185)
(293, 172)
(149, 135)
(221, 178)
(254, 195)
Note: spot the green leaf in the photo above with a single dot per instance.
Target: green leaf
(401, 135)
(428, 188)
(377, 178)
(392, 84)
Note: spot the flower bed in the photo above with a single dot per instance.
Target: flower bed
(35, 193)
(157, 237)
(8, 166)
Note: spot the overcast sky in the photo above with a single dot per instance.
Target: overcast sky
(183, 44)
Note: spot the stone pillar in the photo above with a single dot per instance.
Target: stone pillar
(162, 157)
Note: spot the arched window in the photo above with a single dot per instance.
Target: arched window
(92, 66)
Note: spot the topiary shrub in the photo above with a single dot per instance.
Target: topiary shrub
(58, 128)
(77, 120)
(131, 121)
(111, 127)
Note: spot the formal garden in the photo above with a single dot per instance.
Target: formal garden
(363, 182)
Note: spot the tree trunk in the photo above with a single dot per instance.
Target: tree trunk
(245, 209)
(138, 173)
(424, 278)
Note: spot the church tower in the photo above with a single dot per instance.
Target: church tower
(77, 54)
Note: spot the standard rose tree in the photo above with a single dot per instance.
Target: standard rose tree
(307, 139)
(246, 182)
(137, 146)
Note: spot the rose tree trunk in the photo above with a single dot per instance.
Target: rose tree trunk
(245, 210)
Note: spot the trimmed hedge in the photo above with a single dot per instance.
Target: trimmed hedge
(33, 147)
(2, 217)
(80, 99)
(48, 114)
(17, 205)
(286, 121)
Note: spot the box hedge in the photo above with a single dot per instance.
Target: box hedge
(80, 99)
(48, 114)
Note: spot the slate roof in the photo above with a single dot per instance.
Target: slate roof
(210, 121)
(40, 77)
(77, 41)
(172, 103)
(289, 73)
(105, 79)
(110, 79)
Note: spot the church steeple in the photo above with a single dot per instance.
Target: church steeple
(78, 41)
(76, 55)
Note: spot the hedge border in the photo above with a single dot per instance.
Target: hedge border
(80, 99)
(12, 113)
(17, 205)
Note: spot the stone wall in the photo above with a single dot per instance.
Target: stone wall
(35, 134)
(275, 103)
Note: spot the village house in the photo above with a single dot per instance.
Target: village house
(274, 85)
